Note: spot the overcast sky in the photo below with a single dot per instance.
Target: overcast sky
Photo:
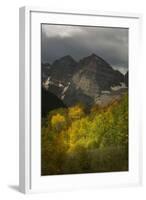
(78, 41)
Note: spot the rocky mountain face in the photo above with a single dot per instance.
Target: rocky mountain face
(91, 80)
(63, 69)
(126, 79)
(45, 71)
(95, 75)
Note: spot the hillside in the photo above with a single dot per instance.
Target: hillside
(76, 141)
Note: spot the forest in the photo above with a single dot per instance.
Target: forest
(81, 140)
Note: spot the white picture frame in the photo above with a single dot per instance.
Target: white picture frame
(30, 178)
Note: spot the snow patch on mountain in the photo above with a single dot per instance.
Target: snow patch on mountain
(118, 87)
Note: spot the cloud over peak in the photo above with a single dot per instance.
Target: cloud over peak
(79, 41)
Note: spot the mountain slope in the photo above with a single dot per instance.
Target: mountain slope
(63, 68)
(96, 74)
(49, 102)
(85, 81)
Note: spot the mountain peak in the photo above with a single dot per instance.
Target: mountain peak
(93, 55)
(84, 81)
(67, 57)
(93, 61)
(63, 68)
(65, 60)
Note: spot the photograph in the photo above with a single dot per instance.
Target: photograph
(84, 99)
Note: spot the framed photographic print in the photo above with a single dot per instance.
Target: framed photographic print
(79, 106)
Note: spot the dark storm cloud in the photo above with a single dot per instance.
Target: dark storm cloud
(109, 43)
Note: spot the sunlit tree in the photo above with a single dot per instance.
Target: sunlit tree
(58, 121)
(76, 112)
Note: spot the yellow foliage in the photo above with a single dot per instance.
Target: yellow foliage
(58, 121)
(75, 112)
(73, 133)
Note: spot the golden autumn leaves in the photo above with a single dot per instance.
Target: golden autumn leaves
(74, 132)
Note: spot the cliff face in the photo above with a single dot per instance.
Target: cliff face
(95, 75)
(86, 81)
(63, 68)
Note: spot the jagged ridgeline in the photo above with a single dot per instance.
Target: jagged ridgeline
(90, 81)
(84, 117)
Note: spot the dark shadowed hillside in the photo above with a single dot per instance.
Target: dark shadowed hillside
(126, 78)
(49, 102)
